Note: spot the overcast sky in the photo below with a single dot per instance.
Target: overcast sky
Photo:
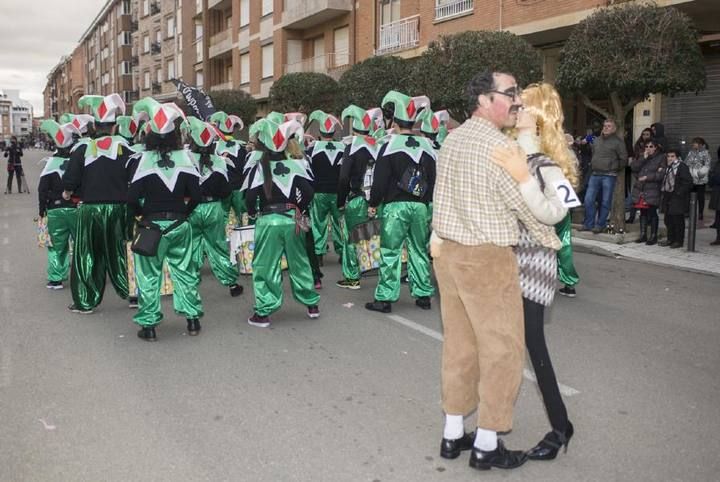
(34, 34)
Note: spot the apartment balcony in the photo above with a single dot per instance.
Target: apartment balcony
(332, 64)
(452, 9)
(134, 25)
(220, 43)
(399, 35)
(134, 61)
(155, 48)
(219, 4)
(154, 8)
(223, 86)
(156, 87)
(303, 14)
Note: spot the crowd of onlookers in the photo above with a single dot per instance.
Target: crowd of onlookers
(658, 180)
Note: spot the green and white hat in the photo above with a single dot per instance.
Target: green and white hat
(61, 134)
(226, 122)
(362, 122)
(275, 117)
(104, 108)
(326, 122)
(276, 136)
(432, 122)
(126, 126)
(202, 133)
(296, 116)
(405, 108)
(160, 117)
(80, 121)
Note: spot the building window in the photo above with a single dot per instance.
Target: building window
(389, 11)
(198, 31)
(170, 23)
(267, 61)
(158, 36)
(267, 7)
(159, 75)
(146, 80)
(124, 68)
(124, 38)
(199, 79)
(244, 13)
(125, 9)
(171, 69)
(244, 68)
(146, 43)
(341, 37)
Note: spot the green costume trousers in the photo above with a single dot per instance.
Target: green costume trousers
(236, 201)
(176, 248)
(404, 222)
(99, 252)
(567, 274)
(324, 205)
(356, 212)
(274, 235)
(61, 226)
(208, 238)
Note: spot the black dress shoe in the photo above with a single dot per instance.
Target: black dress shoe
(501, 458)
(147, 333)
(381, 306)
(423, 302)
(193, 327)
(549, 446)
(451, 448)
(236, 290)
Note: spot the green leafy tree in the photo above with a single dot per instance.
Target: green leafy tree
(445, 68)
(237, 102)
(622, 55)
(304, 92)
(366, 83)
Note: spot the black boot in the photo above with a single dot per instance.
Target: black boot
(631, 218)
(381, 306)
(653, 231)
(643, 229)
(549, 446)
(193, 327)
(147, 333)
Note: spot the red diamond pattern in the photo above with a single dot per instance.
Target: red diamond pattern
(160, 119)
(328, 124)
(76, 123)
(205, 136)
(411, 109)
(228, 123)
(278, 139)
(366, 121)
(370, 140)
(435, 123)
(102, 110)
(60, 137)
(133, 127)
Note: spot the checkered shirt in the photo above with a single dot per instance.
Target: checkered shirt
(475, 201)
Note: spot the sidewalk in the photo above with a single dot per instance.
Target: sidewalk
(706, 258)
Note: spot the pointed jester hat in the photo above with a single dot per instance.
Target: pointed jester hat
(226, 122)
(105, 108)
(296, 116)
(202, 133)
(80, 121)
(276, 136)
(62, 134)
(362, 120)
(326, 122)
(432, 121)
(160, 117)
(275, 117)
(404, 108)
(126, 126)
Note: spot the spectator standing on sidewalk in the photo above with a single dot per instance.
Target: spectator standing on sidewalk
(698, 160)
(638, 150)
(650, 168)
(14, 154)
(608, 159)
(676, 187)
(658, 133)
(714, 183)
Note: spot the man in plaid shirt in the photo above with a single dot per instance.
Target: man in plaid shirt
(476, 214)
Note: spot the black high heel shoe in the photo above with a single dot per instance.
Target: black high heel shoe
(549, 446)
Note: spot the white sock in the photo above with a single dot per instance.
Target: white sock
(485, 439)
(454, 428)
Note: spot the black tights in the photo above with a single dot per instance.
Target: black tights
(650, 214)
(18, 176)
(540, 358)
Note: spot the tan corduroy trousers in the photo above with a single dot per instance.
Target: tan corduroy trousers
(484, 345)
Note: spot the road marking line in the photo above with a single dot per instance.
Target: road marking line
(564, 389)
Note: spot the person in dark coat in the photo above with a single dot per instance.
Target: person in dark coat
(650, 168)
(14, 153)
(714, 183)
(676, 187)
(658, 133)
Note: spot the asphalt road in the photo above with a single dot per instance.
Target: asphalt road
(352, 396)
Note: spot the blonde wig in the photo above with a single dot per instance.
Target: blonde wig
(543, 101)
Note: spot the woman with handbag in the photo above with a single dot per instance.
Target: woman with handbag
(279, 194)
(208, 219)
(650, 169)
(164, 177)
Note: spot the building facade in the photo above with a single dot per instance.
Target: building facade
(16, 115)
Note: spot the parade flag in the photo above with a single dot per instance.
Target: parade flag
(198, 102)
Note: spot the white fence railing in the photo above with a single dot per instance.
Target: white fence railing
(451, 9)
(321, 64)
(399, 35)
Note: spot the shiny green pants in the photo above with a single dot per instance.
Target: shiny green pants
(175, 248)
(274, 235)
(61, 226)
(404, 222)
(208, 238)
(236, 202)
(324, 205)
(567, 274)
(99, 252)
(356, 212)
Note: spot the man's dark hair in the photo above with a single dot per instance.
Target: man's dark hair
(674, 151)
(481, 83)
